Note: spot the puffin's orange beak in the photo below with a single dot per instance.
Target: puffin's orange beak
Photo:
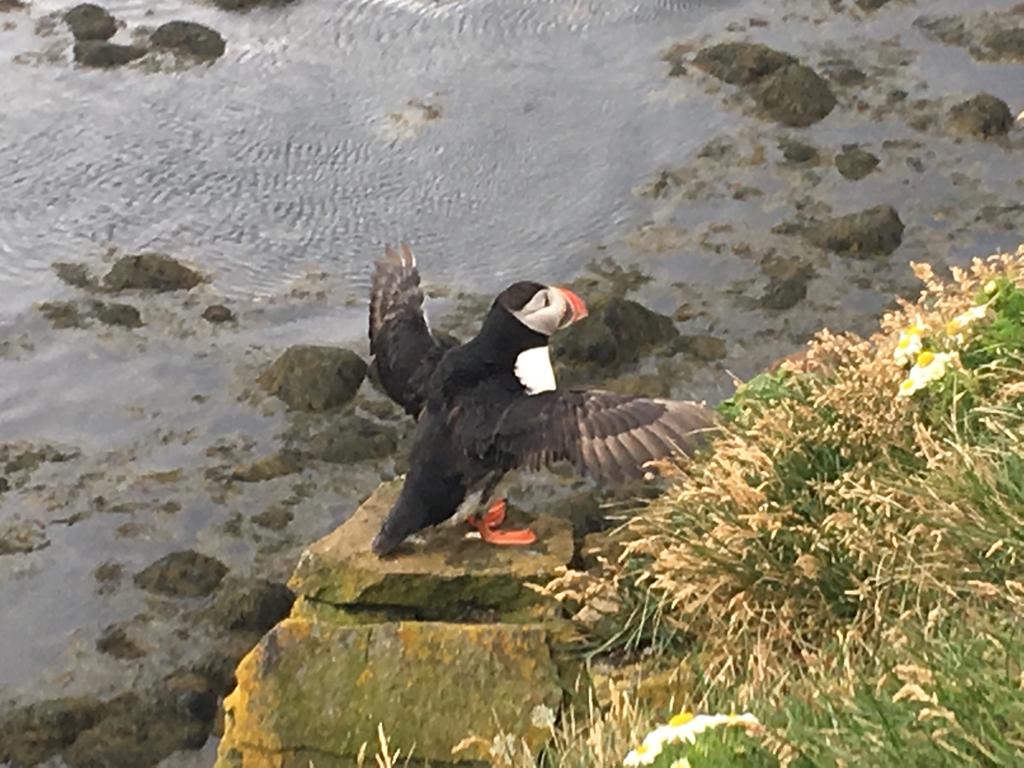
(577, 309)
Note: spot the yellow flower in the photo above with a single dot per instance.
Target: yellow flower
(909, 343)
(682, 762)
(642, 755)
(681, 719)
(991, 287)
(964, 319)
(929, 367)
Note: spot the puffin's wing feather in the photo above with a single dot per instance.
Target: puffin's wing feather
(605, 435)
(404, 350)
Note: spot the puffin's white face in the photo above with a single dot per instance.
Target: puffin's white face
(550, 309)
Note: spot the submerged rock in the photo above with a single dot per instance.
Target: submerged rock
(617, 332)
(246, 5)
(151, 272)
(115, 641)
(311, 378)
(875, 231)
(798, 152)
(855, 163)
(90, 22)
(269, 467)
(249, 604)
(785, 292)
(218, 313)
(1006, 44)
(182, 574)
(189, 37)
(101, 54)
(741, 63)
(794, 95)
(35, 732)
(6, 6)
(21, 538)
(355, 439)
(982, 116)
(871, 5)
(275, 518)
(124, 315)
(75, 274)
(62, 314)
(701, 346)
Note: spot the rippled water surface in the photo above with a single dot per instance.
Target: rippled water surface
(301, 148)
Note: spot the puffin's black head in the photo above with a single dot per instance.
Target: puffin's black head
(541, 308)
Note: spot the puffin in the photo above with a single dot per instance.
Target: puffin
(491, 405)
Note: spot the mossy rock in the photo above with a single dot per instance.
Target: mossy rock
(794, 95)
(855, 163)
(741, 63)
(101, 54)
(983, 116)
(355, 439)
(616, 333)
(182, 574)
(151, 272)
(249, 604)
(314, 378)
(875, 231)
(446, 576)
(325, 688)
(189, 37)
(90, 22)
(122, 315)
(798, 152)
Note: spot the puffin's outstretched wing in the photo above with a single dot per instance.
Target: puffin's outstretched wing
(404, 350)
(605, 435)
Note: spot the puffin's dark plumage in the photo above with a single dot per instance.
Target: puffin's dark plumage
(491, 404)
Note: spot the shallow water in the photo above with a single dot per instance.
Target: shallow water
(281, 169)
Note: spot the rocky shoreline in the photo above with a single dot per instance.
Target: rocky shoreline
(842, 164)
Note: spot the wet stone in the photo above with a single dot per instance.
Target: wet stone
(5, 484)
(151, 272)
(356, 439)
(35, 732)
(102, 55)
(75, 275)
(785, 293)
(312, 378)
(189, 37)
(741, 63)
(6, 6)
(182, 574)
(982, 116)
(794, 95)
(218, 313)
(797, 152)
(22, 537)
(844, 73)
(1006, 44)
(123, 315)
(268, 468)
(115, 641)
(62, 314)
(701, 346)
(90, 22)
(245, 5)
(855, 163)
(871, 5)
(249, 604)
(275, 518)
(950, 30)
(875, 231)
(615, 333)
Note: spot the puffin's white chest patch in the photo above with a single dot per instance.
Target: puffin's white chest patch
(533, 369)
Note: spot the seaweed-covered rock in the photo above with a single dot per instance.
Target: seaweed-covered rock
(182, 574)
(151, 272)
(249, 604)
(875, 231)
(701, 346)
(785, 292)
(355, 439)
(1006, 44)
(855, 163)
(189, 37)
(75, 274)
(124, 315)
(62, 314)
(312, 378)
(35, 732)
(115, 641)
(102, 54)
(741, 63)
(982, 116)
(90, 22)
(21, 538)
(616, 332)
(218, 313)
(798, 152)
(794, 95)
(269, 467)
(446, 577)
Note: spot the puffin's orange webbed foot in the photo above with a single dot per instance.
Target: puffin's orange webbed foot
(488, 523)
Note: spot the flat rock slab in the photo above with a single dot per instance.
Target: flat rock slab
(445, 576)
(312, 688)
